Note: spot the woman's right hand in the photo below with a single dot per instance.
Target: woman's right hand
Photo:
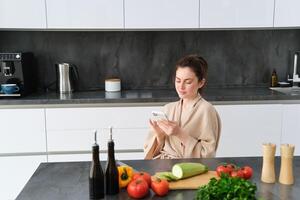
(160, 134)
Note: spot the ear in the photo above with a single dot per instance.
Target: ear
(201, 83)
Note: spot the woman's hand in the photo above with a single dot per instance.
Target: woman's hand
(160, 135)
(172, 128)
(169, 127)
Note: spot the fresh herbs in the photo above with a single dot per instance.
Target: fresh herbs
(227, 188)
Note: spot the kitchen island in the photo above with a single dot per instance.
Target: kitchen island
(69, 180)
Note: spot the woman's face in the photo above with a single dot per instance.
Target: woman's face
(187, 83)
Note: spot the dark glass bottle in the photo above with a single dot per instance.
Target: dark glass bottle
(96, 178)
(111, 173)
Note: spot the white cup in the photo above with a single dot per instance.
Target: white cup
(113, 85)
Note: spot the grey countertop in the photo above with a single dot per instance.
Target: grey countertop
(150, 97)
(69, 180)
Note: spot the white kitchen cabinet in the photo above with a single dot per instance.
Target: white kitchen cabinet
(88, 157)
(125, 139)
(287, 13)
(152, 14)
(236, 13)
(72, 130)
(101, 117)
(22, 130)
(246, 127)
(29, 14)
(15, 172)
(291, 126)
(88, 14)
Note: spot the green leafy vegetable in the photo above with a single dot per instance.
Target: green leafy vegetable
(227, 188)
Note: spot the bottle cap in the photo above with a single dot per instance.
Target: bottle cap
(110, 133)
(95, 138)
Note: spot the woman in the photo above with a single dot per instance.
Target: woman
(193, 126)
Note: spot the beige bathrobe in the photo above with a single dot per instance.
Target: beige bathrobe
(199, 120)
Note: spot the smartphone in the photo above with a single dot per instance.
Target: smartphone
(159, 115)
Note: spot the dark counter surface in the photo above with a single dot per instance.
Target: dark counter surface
(214, 95)
(69, 180)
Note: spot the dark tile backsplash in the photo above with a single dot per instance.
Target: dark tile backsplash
(145, 60)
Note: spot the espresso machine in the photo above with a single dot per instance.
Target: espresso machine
(19, 69)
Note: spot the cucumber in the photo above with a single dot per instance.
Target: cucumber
(166, 175)
(185, 170)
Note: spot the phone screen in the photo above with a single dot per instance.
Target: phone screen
(158, 115)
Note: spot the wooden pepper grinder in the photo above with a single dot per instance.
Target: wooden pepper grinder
(268, 169)
(286, 169)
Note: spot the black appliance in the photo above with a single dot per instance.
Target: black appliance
(20, 69)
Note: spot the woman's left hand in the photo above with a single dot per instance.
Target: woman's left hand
(169, 127)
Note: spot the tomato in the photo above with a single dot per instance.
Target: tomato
(231, 167)
(237, 173)
(223, 169)
(138, 188)
(143, 175)
(247, 171)
(160, 186)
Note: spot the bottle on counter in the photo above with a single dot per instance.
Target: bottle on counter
(274, 79)
(111, 172)
(96, 178)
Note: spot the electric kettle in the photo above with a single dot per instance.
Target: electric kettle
(66, 77)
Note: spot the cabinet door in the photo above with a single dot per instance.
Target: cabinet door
(246, 127)
(125, 139)
(87, 14)
(236, 13)
(70, 131)
(291, 126)
(22, 14)
(161, 14)
(88, 157)
(15, 172)
(22, 130)
(287, 13)
(94, 118)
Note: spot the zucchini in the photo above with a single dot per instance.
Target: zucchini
(166, 175)
(185, 170)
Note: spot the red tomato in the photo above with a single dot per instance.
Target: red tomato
(232, 167)
(247, 171)
(160, 186)
(223, 169)
(138, 188)
(143, 175)
(237, 173)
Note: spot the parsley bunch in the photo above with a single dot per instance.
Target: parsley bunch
(227, 188)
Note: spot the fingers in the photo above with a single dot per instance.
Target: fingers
(151, 123)
(162, 125)
(165, 128)
(168, 123)
(169, 127)
(157, 130)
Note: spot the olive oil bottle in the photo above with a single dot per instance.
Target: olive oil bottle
(96, 178)
(274, 79)
(111, 172)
